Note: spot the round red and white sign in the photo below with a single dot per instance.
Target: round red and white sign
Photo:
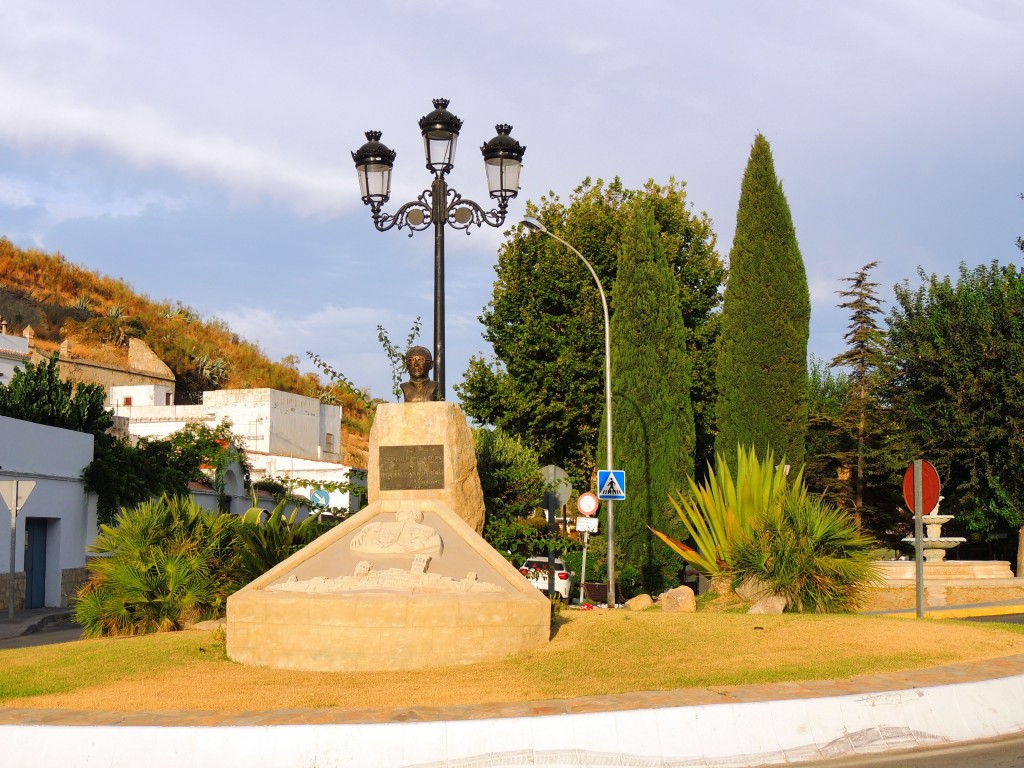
(587, 504)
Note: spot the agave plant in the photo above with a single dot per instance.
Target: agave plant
(263, 543)
(721, 512)
(163, 564)
(810, 552)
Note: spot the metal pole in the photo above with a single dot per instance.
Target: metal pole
(583, 576)
(918, 537)
(440, 198)
(534, 224)
(10, 582)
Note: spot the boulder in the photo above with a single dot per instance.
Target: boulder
(721, 585)
(769, 604)
(752, 589)
(678, 600)
(639, 603)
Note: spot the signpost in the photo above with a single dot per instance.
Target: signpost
(587, 504)
(557, 490)
(14, 493)
(921, 491)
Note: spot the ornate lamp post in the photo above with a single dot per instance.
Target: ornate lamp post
(535, 226)
(439, 205)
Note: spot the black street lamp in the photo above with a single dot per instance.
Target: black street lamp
(439, 205)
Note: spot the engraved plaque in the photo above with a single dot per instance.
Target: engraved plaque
(411, 467)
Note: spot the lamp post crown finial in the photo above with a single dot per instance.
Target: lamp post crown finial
(373, 135)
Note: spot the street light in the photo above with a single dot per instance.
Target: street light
(536, 226)
(439, 205)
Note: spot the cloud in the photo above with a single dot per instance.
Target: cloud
(35, 118)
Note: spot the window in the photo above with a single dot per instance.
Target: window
(330, 443)
(167, 398)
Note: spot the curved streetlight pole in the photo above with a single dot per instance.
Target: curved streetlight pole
(535, 226)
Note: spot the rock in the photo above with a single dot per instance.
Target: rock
(752, 589)
(769, 604)
(721, 585)
(639, 603)
(426, 427)
(207, 626)
(678, 600)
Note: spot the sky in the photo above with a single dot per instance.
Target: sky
(201, 151)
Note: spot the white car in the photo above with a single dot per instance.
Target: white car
(535, 570)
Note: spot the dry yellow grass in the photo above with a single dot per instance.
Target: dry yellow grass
(591, 653)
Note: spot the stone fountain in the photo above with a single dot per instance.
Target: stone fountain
(947, 582)
(934, 543)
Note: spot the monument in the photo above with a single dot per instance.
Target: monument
(406, 583)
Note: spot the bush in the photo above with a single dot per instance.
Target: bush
(810, 552)
(262, 544)
(720, 513)
(164, 564)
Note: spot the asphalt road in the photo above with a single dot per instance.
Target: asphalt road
(998, 753)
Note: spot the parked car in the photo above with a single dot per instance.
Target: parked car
(535, 569)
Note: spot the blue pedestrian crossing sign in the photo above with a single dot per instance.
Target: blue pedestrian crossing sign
(611, 484)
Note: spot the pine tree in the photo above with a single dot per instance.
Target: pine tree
(863, 354)
(762, 372)
(653, 427)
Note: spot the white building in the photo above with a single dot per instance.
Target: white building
(283, 435)
(14, 352)
(58, 518)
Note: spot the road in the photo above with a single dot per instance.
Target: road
(999, 753)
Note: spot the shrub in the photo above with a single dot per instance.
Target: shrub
(721, 512)
(262, 544)
(165, 563)
(809, 551)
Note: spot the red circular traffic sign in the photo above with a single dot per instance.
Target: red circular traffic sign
(929, 487)
(587, 504)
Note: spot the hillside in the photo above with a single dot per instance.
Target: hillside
(61, 300)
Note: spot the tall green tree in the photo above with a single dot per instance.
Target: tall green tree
(513, 486)
(545, 384)
(762, 370)
(37, 394)
(653, 427)
(829, 442)
(863, 355)
(952, 384)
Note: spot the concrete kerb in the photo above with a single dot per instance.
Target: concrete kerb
(740, 726)
(728, 734)
(31, 620)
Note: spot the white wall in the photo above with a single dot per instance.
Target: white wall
(53, 459)
(13, 353)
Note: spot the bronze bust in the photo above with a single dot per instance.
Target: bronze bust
(419, 388)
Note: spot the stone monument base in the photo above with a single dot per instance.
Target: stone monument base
(404, 584)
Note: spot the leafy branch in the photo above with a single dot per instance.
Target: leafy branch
(338, 379)
(396, 356)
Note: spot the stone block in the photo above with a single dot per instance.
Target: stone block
(439, 423)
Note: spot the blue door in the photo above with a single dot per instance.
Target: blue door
(35, 562)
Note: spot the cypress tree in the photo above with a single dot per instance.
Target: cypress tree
(653, 427)
(762, 368)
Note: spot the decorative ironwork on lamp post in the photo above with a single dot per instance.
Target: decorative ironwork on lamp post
(440, 205)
